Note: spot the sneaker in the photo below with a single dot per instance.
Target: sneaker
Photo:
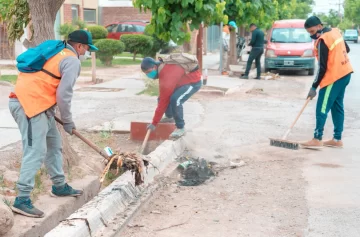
(23, 206)
(167, 120)
(177, 133)
(65, 191)
(334, 143)
(244, 77)
(224, 73)
(258, 78)
(314, 144)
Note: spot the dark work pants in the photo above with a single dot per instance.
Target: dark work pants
(255, 54)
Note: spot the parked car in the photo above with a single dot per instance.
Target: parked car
(117, 29)
(351, 35)
(289, 47)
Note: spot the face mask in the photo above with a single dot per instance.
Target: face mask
(315, 36)
(153, 74)
(85, 56)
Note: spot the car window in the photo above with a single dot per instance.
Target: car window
(139, 28)
(111, 28)
(351, 32)
(290, 35)
(126, 28)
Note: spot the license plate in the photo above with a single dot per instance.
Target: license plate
(288, 63)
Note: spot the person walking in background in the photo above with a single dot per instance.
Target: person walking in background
(226, 45)
(257, 50)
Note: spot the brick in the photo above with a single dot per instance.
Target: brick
(117, 14)
(67, 13)
(162, 131)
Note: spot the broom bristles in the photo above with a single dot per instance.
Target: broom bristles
(284, 144)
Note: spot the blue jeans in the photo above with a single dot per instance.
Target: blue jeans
(331, 98)
(177, 99)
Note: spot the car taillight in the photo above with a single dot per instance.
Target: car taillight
(308, 53)
(270, 53)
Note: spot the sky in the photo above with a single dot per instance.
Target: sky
(325, 5)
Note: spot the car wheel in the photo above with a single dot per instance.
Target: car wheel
(356, 41)
(311, 72)
(267, 70)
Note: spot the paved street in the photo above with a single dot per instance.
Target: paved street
(278, 192)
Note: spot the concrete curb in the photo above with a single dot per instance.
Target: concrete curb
(55, 211)
(102, 213)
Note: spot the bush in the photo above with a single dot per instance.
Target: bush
(137, 43)
(107, 49)
(98, 32)
(66, 29)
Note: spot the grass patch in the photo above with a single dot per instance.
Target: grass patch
(117, 61)
(9, 78)
(151, 88)
(127, 54)
(110, 177)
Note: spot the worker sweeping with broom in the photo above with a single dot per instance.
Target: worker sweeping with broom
(333, 76)
(179, 78)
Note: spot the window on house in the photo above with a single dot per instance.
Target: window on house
(90, 15)
(75, 12)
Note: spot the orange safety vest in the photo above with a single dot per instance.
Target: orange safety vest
(338, 64)
(36, 91)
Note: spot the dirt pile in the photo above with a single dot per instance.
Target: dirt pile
(194, 171)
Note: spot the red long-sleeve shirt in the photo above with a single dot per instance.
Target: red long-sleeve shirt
(172, 77)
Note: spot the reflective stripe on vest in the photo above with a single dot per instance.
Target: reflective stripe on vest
(36, 91)
(338, 64)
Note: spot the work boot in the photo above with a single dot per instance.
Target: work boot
(167, 120)
(179, 132)
(334, 143)
(65, 191)
(314, 143)
(23, 206)
(244, 77)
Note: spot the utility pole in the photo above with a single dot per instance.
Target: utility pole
(339, 11)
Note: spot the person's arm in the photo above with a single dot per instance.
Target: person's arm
(347, 47)
(169, 77)
(70, 70)
(323, 53)
(253, 38)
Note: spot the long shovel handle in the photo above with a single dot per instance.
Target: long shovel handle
(145, 141)
(297, 118)
(87, 141)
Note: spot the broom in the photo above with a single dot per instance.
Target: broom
(283, 142)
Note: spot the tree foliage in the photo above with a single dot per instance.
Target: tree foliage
(170, 18)
(107, 49)
(330, 19)
(352, 11)
(16, 15)
(137, 43)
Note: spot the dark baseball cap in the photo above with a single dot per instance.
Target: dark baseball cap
(82, 37)
(312, 21)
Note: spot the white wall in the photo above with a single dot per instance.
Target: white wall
(115, 3)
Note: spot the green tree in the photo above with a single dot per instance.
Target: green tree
(301, 8)
(170, 19)
(346, 24)
(331, 19)
(137, 44)
(352, 11)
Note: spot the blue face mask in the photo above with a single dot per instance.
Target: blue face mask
(153, 74)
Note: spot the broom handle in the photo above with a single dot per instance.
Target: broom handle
(88, 142)
(145, 141)
(298, 116)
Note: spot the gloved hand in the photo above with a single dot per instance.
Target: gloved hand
(151, 127)
(68, 127)
(312, 93)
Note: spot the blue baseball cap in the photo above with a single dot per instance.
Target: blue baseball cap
(148, 63)
(232, 24)
(83, 37)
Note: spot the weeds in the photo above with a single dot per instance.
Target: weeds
(38, 186)
(110, 177)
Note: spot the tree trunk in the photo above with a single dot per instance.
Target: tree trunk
(43, 14)
(233, 53)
